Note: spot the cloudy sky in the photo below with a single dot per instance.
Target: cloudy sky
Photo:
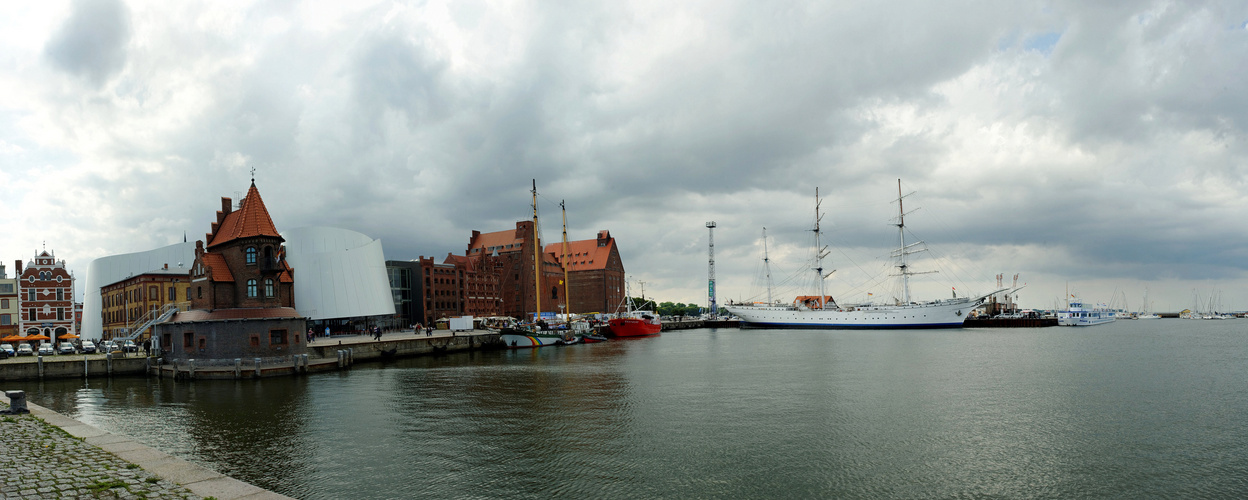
(1092, 146)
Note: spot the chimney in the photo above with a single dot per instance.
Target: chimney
(226, 206)
(166, 265)
(18, 272)
(2, 275)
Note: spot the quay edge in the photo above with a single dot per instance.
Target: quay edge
(322, 356)
(196, 479)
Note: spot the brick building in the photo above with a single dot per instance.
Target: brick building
(9, 311)
(595, 273)
(46, 297)
(242, 297)
(129, 303)
(513, 268)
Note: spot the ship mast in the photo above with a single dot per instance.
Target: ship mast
(767, 266)
(537, 263)
(567, 299)
(820, 252)
(905, 249)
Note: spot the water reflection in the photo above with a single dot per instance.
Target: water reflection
(1127, 410)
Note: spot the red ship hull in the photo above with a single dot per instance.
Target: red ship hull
(634, 327)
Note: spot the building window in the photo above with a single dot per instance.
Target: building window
(188, 339)
(251, 288)
(30, 294)
(277, 337)
(199, 290)
(188, 294)
(268, 288)
(203, 343)
(173, 294)
(60, 314)
(251, 256)
(6, 319)
(255, 341)
(153, 293)
(4, 303)
(32, 314)
(60, 294)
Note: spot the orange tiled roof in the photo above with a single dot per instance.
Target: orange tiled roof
(498, 239)
(467, 262)
(220, 271)
(251, 219)
(285, 275)
(583, 255)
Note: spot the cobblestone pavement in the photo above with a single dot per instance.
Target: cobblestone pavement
(39, 460)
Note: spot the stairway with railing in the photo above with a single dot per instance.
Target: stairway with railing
(154, 316)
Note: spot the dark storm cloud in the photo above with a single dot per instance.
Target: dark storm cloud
(92, 41)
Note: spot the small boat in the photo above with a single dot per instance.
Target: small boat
(1077, 315)
(590, 338)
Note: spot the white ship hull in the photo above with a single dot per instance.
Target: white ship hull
(939, 314)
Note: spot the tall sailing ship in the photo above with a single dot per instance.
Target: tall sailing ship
(824, 312)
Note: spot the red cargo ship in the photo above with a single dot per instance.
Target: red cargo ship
(636, 324)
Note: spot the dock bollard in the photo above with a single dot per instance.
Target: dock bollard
(40, 366)
(191, 370)
(17, 402)
(257, 367)
(305, 364)
(350, 356)
(85, 369)
(108, 364)
(238, 367)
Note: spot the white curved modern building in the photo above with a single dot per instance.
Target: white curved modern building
(339, 273)
(108, 270)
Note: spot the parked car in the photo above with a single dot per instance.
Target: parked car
(108, 346)
(25, 350)
(88, 347)
(46, 349)
(66, 348)
(8, 349)
(130, 346)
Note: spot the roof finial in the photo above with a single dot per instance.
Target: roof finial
(253, 176)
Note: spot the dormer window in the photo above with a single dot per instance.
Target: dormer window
(251, 256)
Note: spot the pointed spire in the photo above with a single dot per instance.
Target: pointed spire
(251, 219)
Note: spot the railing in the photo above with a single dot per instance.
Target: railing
(153, 317)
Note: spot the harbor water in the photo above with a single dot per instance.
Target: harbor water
(1130, 409)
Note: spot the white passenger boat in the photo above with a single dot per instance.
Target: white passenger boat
(823, 312)
(1077, 315)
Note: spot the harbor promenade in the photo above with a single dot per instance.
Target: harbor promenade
(47, 455)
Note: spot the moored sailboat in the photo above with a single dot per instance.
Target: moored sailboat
(824, 312)
(534, 334)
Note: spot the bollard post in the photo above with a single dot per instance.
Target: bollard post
(85, 370)
(257, 367)
(350, 356)
(40, 366)
(305, 364)
(108, 358)
(190, 374)
(238, 368)
(17, 402)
